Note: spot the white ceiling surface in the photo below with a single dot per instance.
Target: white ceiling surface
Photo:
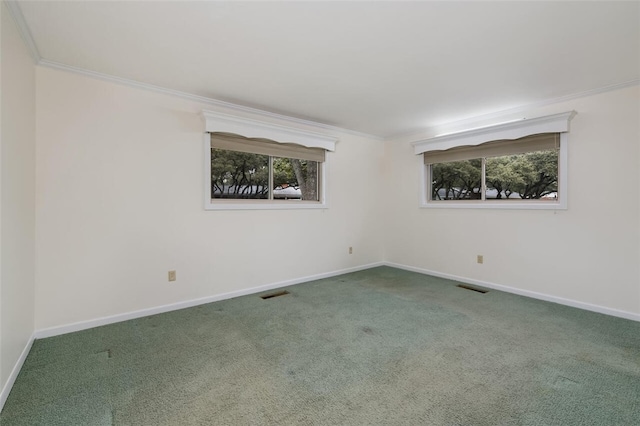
(382, 68)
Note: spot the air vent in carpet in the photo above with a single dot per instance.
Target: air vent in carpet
(106, 352)
(466, 287)
(269, 296)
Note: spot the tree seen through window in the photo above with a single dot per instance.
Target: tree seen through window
(240, 175)
(531, 175)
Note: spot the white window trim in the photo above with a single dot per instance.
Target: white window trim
(557, 123)
(218, 122)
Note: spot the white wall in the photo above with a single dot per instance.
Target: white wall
(17, 201)
(588, 253)
(119, 203)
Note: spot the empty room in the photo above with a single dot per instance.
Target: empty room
(319, 213)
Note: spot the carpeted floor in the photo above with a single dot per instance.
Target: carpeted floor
(377, 347)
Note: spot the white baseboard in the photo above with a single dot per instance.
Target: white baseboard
(527, 293)
(14, 373)
(83, 325)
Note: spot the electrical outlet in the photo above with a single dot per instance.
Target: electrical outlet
(172, 275)
(480, 258)
(350, 250)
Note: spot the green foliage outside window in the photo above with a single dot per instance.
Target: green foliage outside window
(532, 175)
(457, 180)
(240, 175)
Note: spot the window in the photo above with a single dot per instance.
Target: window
(258, 169)
(515, 165)
(523, 169)
(251, 164)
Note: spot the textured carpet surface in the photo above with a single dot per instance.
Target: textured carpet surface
(377, 347)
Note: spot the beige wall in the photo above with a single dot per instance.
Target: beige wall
(588, 253)
(111, 178)
(17, 201)
(120, 202)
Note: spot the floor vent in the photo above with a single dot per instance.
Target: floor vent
(466, 287)
(272, 295)
(106, 352)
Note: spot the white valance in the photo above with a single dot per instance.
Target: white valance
(216, 122)
(557, 123)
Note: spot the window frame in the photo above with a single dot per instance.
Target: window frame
(557, 123)
(216, 122)
(260, 204)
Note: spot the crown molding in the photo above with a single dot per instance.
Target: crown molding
(202, 99)
(472, 122)
(16, 13)
(23, 28)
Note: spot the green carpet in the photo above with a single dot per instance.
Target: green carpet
(377, 347)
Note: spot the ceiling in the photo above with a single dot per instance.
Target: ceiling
(381, 68)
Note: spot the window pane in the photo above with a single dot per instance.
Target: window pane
(239, 175)
(533, 175)
(456, 180)
(295, 179)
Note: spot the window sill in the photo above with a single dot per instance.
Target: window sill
(266, 205)
(492, 205)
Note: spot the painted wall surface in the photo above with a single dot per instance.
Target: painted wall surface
(588, 253)
(120, 202)
(17, 201)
